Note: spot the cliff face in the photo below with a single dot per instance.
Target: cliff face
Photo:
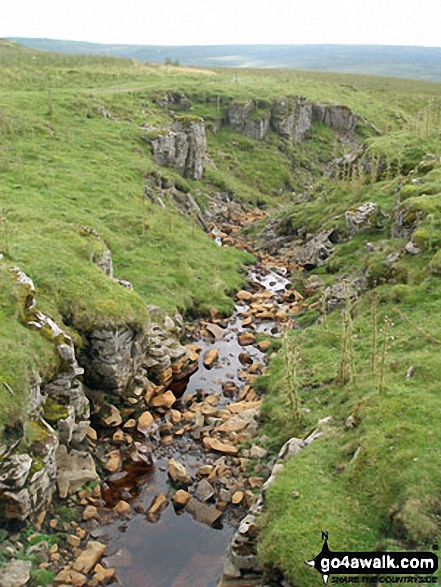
(184, 146)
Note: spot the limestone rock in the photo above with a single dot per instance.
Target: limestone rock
(178, 473)
(362, 218)
(89, 557)
(70, 577)
(204, 490)
(218, 446)
(181, 497)
(203, 512)
(74, 469)
(102, 575)
(216, 331)
(182, 148)
(90, 512)
(144, 422)
(210, 358)
(158, 504)
(165, 400)
(122, 508)
(246, 338)
(111, 416)
(15, 573)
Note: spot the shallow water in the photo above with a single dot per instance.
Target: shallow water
(175, 550)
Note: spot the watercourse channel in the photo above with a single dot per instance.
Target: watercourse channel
(174, 548)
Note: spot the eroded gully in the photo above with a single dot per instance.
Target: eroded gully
(172, 538)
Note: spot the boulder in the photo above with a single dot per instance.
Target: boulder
(204, 490)
(218, 446)
(89, 557)
(202, 512)
(178, 473)
(144, 422)
(362, 218)
(15, 573)
(74, 470)
(210, 358)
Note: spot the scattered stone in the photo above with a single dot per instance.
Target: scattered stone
(237, 497)
(70, 577)
(202, 512)
(144, 422)
(165, 400)
(90, 512)
(412, 249)
(131, 423)
(257, 452)
(118, 437)
(178, 473)
(246, 338)
(111, 416)
(15, 573)
(123, 508)
(210, 358)
(114, 463)
(159, 503)
(206, 469)
(89, 557)
(204, 490)
(102, 575)
(175, 416)
(73, 540)
(216, 331)
(255, 482)
(218, 446)
(181, 497)
(244, 296)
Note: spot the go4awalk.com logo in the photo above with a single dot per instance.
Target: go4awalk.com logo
(395, 567)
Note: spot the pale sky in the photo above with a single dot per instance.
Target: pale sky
(209, 22)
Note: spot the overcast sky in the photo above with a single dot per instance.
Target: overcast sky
(205, 22)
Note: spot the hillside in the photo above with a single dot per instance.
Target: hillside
(113, 175)
(406, 62)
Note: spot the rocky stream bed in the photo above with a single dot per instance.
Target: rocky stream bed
(182, 463)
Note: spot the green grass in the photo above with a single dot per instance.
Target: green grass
(65, 168)
(388, 498)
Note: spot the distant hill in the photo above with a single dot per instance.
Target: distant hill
(422, 63)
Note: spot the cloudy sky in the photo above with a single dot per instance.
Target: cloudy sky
(204, 22)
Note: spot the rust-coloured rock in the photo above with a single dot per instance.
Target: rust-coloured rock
(210, 358)
(218, 446)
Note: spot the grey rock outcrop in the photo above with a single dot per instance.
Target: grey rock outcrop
(362, 218)
(338, 117)
(27, 480)
(244, 118)
(315, 251)
(114, 357)
(292, 118)
(182, 148)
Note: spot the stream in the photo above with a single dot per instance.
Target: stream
(174, 548)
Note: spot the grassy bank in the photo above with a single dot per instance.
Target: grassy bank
(372, 480)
